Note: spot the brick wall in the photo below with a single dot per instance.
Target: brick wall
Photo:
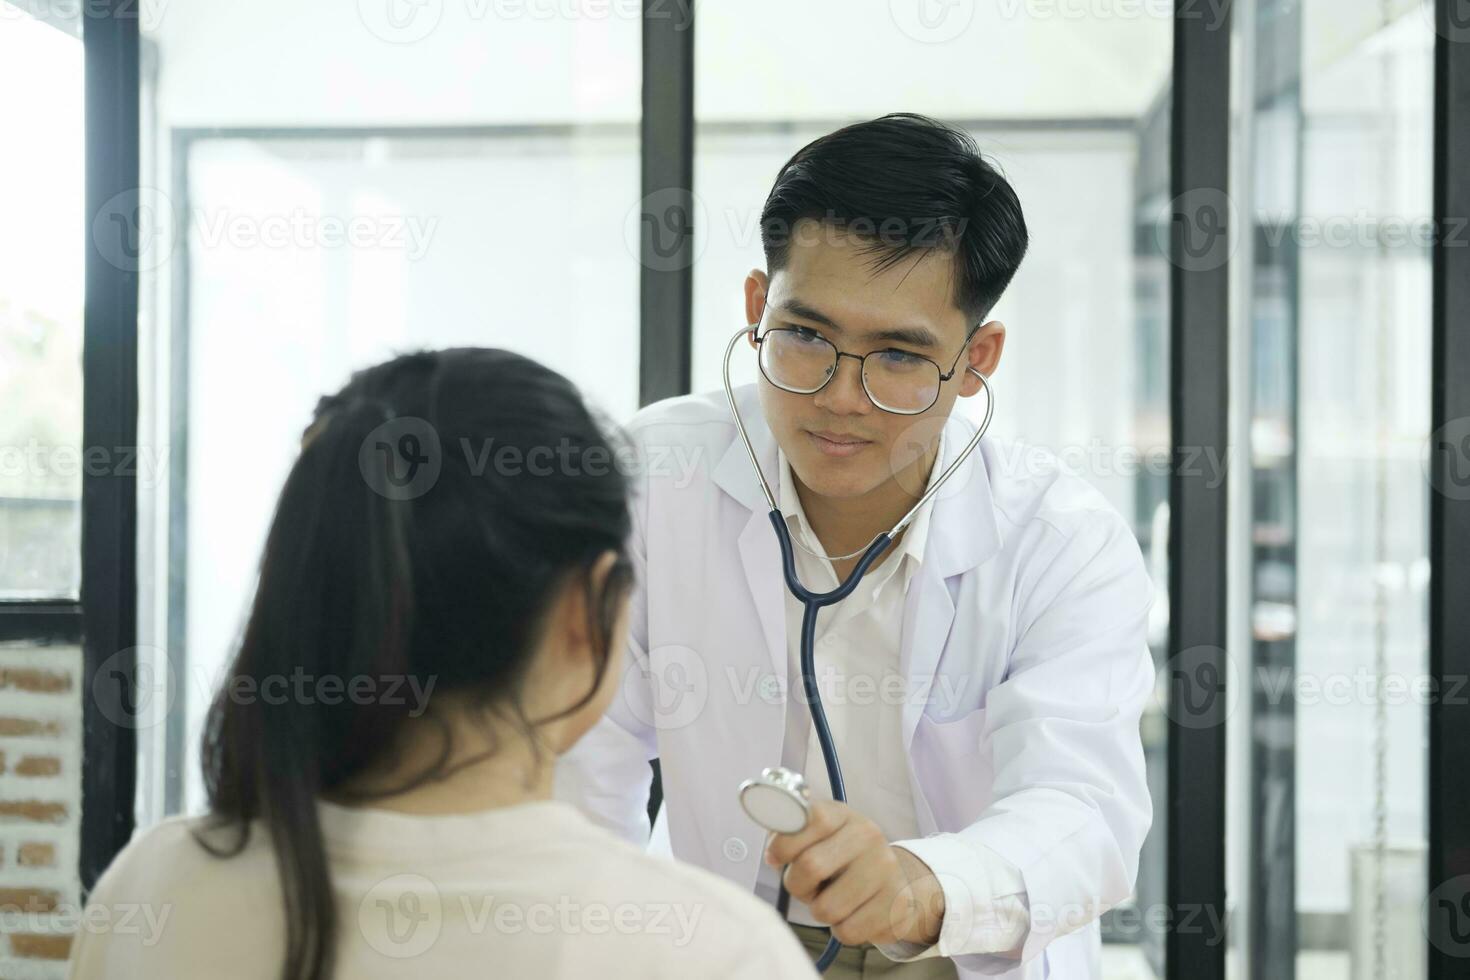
(40, 807)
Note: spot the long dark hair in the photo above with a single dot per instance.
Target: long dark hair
(439, 505)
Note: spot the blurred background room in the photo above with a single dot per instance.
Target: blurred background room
(211, 213)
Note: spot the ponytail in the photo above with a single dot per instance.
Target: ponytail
(348, 538)
(387, 558)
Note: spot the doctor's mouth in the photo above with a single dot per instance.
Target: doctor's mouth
(837, 444)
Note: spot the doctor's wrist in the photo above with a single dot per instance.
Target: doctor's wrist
(919, 910)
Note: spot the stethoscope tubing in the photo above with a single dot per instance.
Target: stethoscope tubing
(813, 601)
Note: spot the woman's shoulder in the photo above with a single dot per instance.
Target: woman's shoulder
(699, 908)
(177, 850)
(173, 872)
(163, 907)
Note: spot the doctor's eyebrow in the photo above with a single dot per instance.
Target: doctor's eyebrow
(913, 336)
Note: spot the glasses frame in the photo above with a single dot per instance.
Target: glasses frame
(838, 355)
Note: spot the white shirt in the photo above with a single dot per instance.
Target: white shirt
(863, 692)
(532, 890)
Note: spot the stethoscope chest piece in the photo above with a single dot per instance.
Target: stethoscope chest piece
(777, 799)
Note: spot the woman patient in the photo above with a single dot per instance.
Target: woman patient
(441, 611)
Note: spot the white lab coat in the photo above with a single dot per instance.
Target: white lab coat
(1023, 644)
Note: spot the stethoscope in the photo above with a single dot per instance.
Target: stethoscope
(778, 799)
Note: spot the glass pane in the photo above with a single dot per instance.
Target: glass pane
(1080, 128)
(41, 228)
(1327, 811)
(464, 179)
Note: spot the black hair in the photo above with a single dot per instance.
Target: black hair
(904, 182)
(404, 546)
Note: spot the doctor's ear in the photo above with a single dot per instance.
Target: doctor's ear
(757, 285)
(982, 355)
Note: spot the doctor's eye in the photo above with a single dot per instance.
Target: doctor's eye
(900, 360)
(804, 335)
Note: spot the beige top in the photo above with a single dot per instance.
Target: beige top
(534, 890)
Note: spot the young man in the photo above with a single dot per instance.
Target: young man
(985, 680)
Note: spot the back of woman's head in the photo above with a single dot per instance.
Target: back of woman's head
(440, 504)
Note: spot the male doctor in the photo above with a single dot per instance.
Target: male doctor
(984, 682)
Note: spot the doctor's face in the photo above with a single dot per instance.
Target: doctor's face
(839, 443)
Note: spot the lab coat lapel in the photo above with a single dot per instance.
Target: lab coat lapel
(963, 532)
(760, 553)
(761, 557)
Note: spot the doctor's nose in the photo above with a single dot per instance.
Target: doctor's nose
(843, 394)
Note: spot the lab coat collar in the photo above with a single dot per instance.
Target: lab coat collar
(910, 549)
(962, 527)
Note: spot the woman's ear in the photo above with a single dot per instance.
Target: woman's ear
(569, 658)
(577, 604)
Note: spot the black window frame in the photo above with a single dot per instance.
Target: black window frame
(103, 617)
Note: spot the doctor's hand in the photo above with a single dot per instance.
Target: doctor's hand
(853, 880)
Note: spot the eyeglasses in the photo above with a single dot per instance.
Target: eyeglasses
(802, 361)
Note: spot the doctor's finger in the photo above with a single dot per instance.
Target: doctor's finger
(826, 819)
(879, 919)
(856, 885)
(826, 859)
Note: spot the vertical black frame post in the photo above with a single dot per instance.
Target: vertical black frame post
(1199, 399)
(109, 600)
(1274, 277)
(666, 221)
(1448, 906)
(666, 224)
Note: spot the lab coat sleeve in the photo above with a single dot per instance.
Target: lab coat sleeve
(984, 901)
(607, 772)
(1071, 803)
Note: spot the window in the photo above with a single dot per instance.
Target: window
(1327, 830)
(41, 458)
(458, 175)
